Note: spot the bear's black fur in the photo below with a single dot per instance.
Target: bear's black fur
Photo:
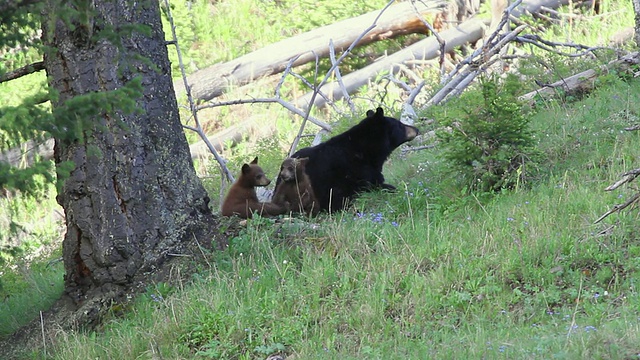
(351, 162)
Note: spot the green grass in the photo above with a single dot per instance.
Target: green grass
(425, 272)
(31, 275)
(525, 274)
(212, 32)
(28, 289)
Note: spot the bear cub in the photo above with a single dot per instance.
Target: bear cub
(295, 187)
(241, 200)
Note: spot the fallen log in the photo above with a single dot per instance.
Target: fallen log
(429, 48)
(400, 19)
(27, 153)
(468, 32)
(585, 81)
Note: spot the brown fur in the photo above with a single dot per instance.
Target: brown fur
(242, 200)
(295, 187)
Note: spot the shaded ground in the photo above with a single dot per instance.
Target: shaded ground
(39, 336)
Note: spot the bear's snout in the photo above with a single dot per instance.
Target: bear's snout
(411, 132)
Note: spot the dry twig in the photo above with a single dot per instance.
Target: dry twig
(194, 111)
(618, 208)
(627, 177)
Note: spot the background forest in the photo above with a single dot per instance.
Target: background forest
(489, 249)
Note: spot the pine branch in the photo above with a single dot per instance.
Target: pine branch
(25, 70)
(8, 8)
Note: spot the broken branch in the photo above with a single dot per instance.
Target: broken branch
(25, 70)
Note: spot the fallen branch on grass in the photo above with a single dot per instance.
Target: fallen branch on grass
(627, 177)
(620, 207)
(585, 81)
(401, 19)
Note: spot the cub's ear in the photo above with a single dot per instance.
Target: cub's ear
(370, 113)
(255, 161)
(246, 168)
(303, 160)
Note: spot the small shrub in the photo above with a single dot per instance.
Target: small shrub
(487, 140)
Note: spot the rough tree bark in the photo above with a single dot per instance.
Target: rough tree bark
(133, 199)
(636, 9)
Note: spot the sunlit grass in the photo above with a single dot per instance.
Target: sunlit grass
(525, 274)
(28, 289)
(424, 272)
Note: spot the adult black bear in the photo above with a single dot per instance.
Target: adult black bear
(351, 162)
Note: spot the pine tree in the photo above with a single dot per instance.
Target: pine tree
(125, 178)
(31, 119)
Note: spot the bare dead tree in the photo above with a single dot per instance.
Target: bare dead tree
(215, 80)
(192, 106)
(436, 35)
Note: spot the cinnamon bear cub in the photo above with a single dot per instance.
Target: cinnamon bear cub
(295, 188)
(242, 200)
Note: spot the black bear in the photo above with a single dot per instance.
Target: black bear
(351, 162)
(241, 200)
(295, 187)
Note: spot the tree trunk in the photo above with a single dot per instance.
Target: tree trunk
(133, 198)
(636, 9)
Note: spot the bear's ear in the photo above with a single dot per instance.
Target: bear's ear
(379, 113)
(255, 161)
(246, 168)
(302, 161)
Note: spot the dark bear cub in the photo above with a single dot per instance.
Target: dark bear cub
(351, 162)
(295, 187)
(241, 200)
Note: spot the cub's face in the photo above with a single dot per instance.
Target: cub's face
(259, 178)
(254, 175)
(292, 168)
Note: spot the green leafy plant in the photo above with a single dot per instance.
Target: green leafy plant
(487, 139)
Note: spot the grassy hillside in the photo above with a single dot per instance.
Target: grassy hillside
(430, 271)
(424, 272)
